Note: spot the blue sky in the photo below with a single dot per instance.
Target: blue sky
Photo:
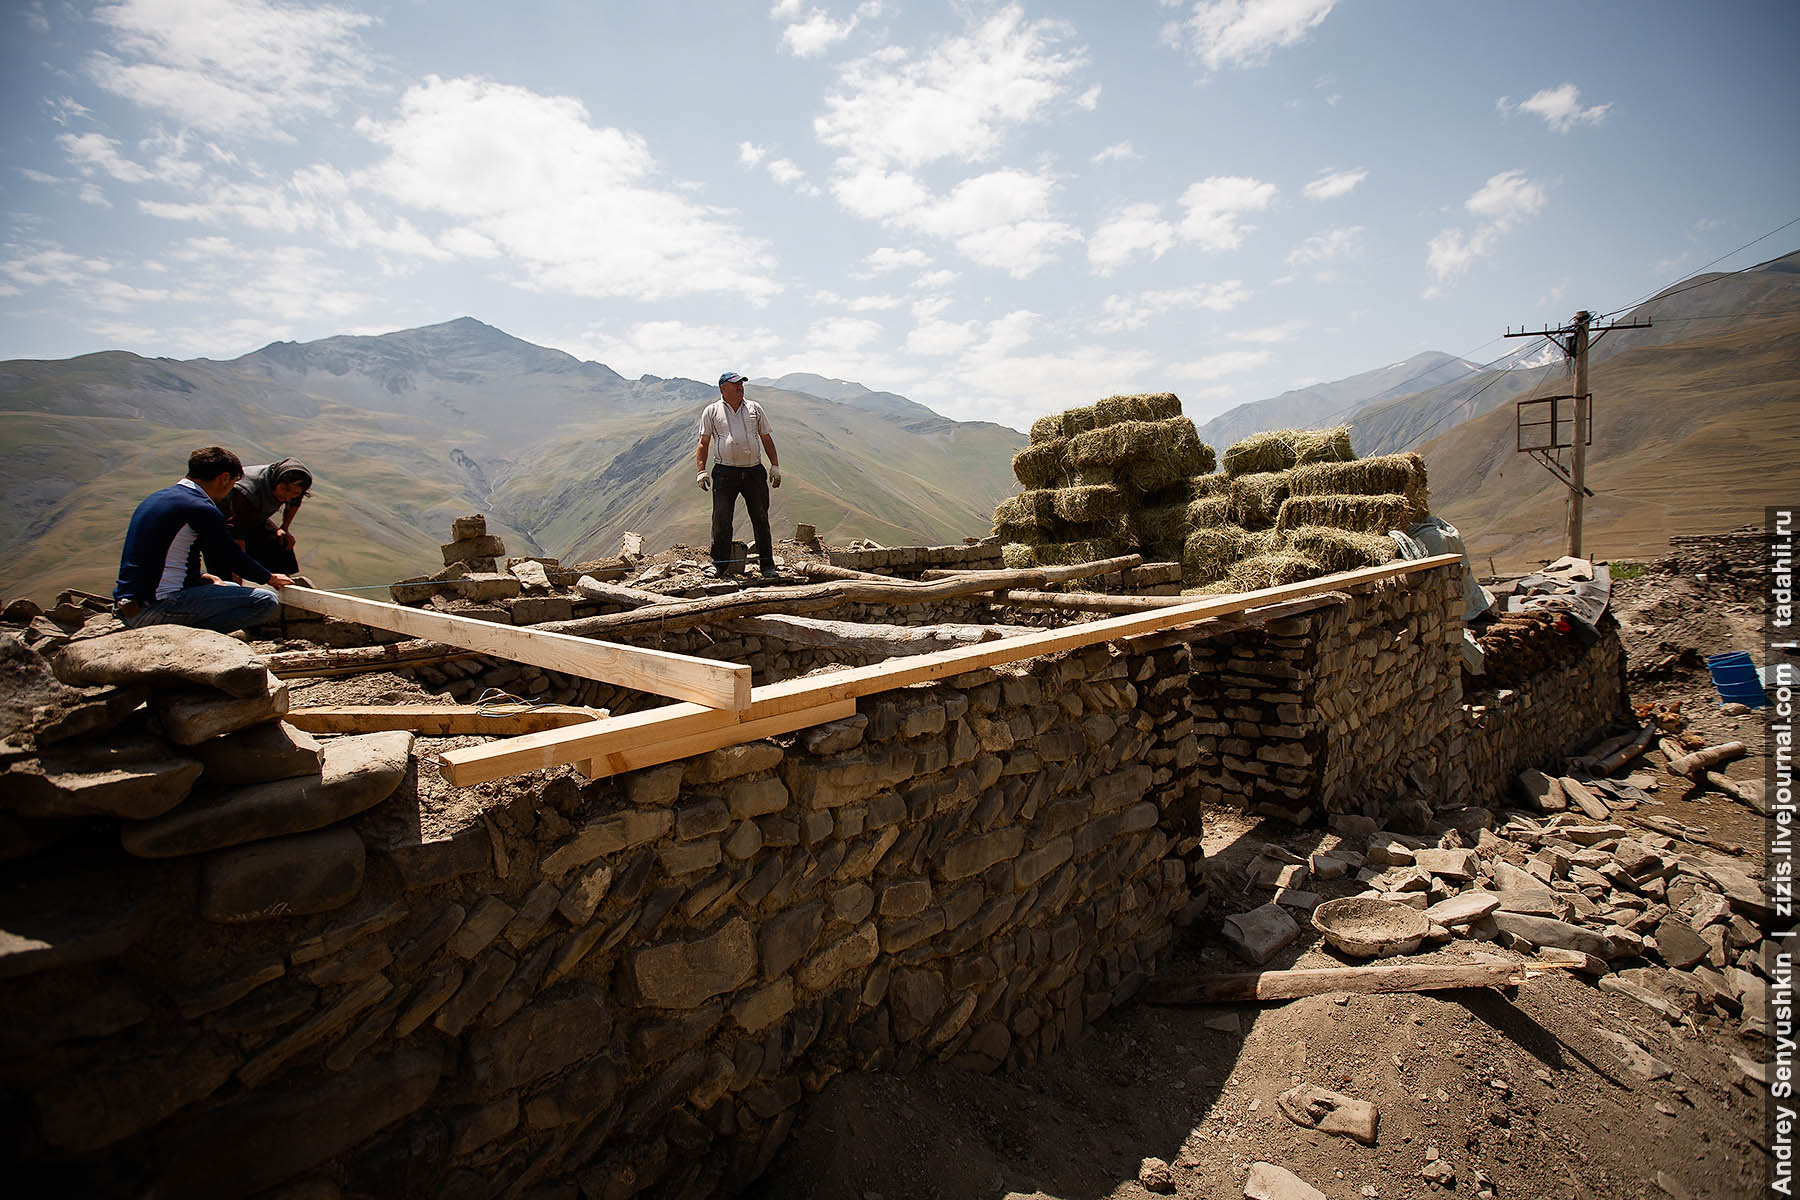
(999, 210)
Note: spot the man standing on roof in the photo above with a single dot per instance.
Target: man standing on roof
(743, 434)
(160, 580)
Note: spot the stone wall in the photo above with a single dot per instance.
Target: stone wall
(611, 983)
(1335, 709)
(1538, 722)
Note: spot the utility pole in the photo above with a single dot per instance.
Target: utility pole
(1579, 338)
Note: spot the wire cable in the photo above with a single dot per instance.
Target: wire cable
(1659, 293)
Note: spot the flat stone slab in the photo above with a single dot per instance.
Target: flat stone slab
(1270, 1182)
(163, 655)
(1331, 1112)
(685, 974)
(37, 709)
(1257, 935)
(1678, 945)
(1465, 909)
(1545, 931)
(194, 715)
(262, 753)
(134, 778)
(1446, 864)
(359, 772)
(282, 877)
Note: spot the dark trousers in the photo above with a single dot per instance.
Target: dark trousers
(752, 483)
(266, 548)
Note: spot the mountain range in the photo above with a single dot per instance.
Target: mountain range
(1697, 428)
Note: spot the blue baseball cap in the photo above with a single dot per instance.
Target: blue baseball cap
(732, 377)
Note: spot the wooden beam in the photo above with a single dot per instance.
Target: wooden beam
(1085, 601)
(359, 660)
(441, 720)
(474, 764)
(715, 684)
(650, 754)
(1249, 986)
(868, 639)
(1086, 570)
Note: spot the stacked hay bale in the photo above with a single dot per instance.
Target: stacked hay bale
(1107, 479)
(1296, 504)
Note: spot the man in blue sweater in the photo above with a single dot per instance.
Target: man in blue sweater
(160, 578)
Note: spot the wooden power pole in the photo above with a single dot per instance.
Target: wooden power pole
(1579, 337)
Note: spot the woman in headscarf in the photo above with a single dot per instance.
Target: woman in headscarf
(251, 505)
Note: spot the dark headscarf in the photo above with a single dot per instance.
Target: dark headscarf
(255, 492)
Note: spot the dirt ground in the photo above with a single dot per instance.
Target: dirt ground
(1507, 1094)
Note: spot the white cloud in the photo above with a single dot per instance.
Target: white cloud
(1243, 33)
(1004, 377)
(231, 66)
(880, 303)
(940, 338)
(50, 265)
(37, 176)
(1213, 206)
(749, 154)
(1332, 184)
(1504, 200)
(837, 336)
(1001, 219)
(818, 31)
(117, 296)
(1229, 362)
(1089, 100)
(90, 193)
(1133, 230)
(571, 203)
(1125, 313)
(673, 349)
(932, 280)
(784, 8)
(1117, 152)
(954, 102)
(1322, 247)
(784, 172)
(64, 109)
(95, 151)
(1559, 106)
(33, 17)
(887, 258)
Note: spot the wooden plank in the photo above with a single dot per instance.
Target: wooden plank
(1250, 986)
(358, 660)
(715, 684)
(475, 764)
(441, 720)
(650, 754)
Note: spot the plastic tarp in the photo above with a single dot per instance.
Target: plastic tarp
(1570, 587)
(1434, 535)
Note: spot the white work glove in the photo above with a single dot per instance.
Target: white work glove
(774, 476)
(704, 480)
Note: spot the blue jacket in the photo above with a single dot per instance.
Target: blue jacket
(168, 533)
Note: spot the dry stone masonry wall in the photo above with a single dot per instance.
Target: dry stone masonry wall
(237, 957)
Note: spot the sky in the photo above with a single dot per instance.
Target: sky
(996, 209)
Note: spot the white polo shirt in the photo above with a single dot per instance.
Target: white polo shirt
(736, 436)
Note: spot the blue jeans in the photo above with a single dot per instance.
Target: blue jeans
(223, 607)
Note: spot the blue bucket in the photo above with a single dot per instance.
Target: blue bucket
(1734, 675)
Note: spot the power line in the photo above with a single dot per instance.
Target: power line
(1702, 283)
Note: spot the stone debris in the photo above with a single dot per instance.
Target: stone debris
(1331, 1112)
(1156, 1176)
(1270, 1182)
(1258, 935)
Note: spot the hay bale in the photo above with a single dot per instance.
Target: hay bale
(1341, 549)
(1154, 406)
(1018, 557)
(1202, 486)
(1035, 507)
(1160, 531)
(1210, 512)
(1386, 474)
(1043, 464)
(1068, 554)
(1145, 455)
(1272, 570)
(1090, 504)
(1361, 514)
(1321, 445)
(1261, 453)
(1209, 553)
(1047, 429)
(1256, 499)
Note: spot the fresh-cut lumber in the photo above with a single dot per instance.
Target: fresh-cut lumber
(650, 754)
(1248, 986)
(702, 681)
(474, 764)
(440, 720)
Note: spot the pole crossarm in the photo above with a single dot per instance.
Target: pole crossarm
(638, 731)
(717, 685)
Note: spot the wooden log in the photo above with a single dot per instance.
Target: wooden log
(474, 764)
(1085, 601)
(441, 720)
(1244, 987)
(702, 681)
(880, 641)
(1086, 570)
(356, 660)
(1744, 791)
(1617, 757)
(619, 593)
(1695, 765)
(1681, 833)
